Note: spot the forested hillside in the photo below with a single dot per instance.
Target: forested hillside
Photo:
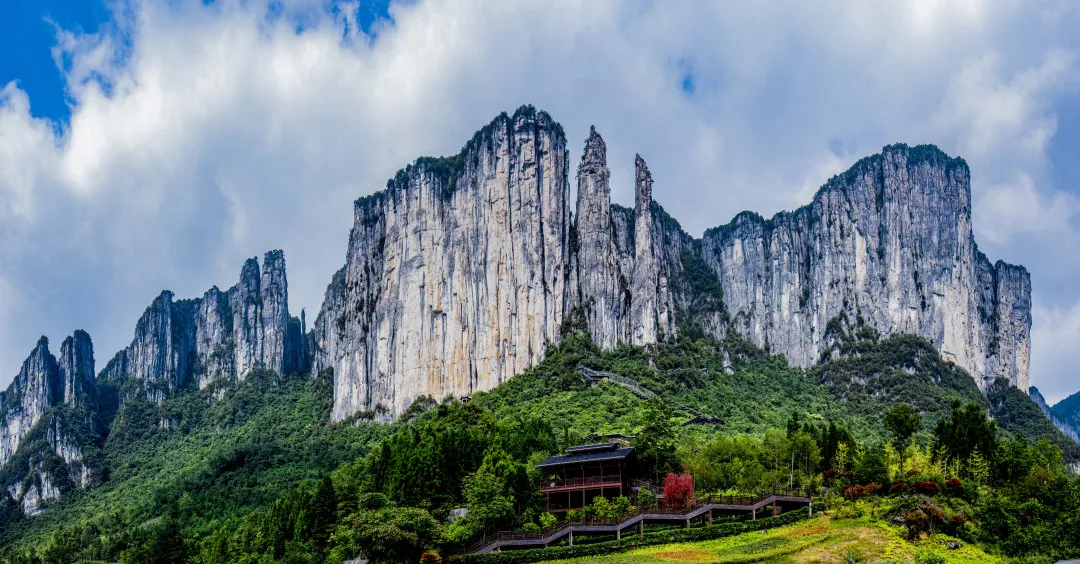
(257, 472)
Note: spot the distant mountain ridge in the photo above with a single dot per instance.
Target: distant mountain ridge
(1065, 414)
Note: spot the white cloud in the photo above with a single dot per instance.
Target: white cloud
(201, 135)
(989, 114)
(1006, 211)
(1054, 349)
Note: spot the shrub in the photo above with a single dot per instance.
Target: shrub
(899, 487)
(852, 492)
(921, 516)
(926, 487)
(372, 501)
(829, 476)
(646, 497)
(679, 489)
(953, 485)
(430, 557)
(578, 514)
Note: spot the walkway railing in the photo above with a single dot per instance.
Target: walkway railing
(596, 376)
(686, 511)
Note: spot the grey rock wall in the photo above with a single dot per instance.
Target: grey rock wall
(221, 336)
(600, 286)
(459, 274)
(31, 429)
(76, 370)
(890, 240)
(33, 392)
(456, 274)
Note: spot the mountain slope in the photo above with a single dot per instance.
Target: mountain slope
(460, 273)
(1015, 412)
(224, 465)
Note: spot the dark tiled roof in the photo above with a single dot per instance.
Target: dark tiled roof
(591, 448)
(561, 459)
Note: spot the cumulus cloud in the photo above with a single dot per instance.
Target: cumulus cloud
(989, 113)
(1017, 209)
(1055, 339)
(201, 134)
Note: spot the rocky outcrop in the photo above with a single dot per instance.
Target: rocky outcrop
(33, 494)
(890, 241)
(456, 274)
(33, 392)
(47, 415)
(623, 259)
(219, 337)
(76, 366)
(602, 288)
(459, 273)
(651, 305)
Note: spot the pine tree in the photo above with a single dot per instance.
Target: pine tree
(978, 468)
(322, 513)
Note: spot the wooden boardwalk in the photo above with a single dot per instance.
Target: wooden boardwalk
(701, 508)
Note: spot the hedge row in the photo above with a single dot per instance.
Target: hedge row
(630, 542)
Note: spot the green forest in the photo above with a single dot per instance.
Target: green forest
(255, 471)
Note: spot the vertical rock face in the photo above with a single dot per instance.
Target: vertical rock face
(460, 272)
(33, 431)
(76, 366)
(220, 336)
(455, 277)
(159, 352)
(601, 286)
(651, 305)
(890, 241)
(35, 390)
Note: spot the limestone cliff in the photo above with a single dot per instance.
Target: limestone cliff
(455, 277)
(602, 288)
(460, 273)
(47, 420)
(889, 240)
(30, 395)
(220, 336)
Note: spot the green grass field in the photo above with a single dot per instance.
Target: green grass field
(821, 539)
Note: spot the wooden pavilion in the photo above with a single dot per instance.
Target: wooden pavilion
(575, 478)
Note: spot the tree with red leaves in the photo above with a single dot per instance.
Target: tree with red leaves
(679, 489)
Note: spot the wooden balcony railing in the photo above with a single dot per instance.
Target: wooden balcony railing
(595, 481)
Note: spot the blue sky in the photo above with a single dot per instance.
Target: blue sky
(156, 144)
(27, 33)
